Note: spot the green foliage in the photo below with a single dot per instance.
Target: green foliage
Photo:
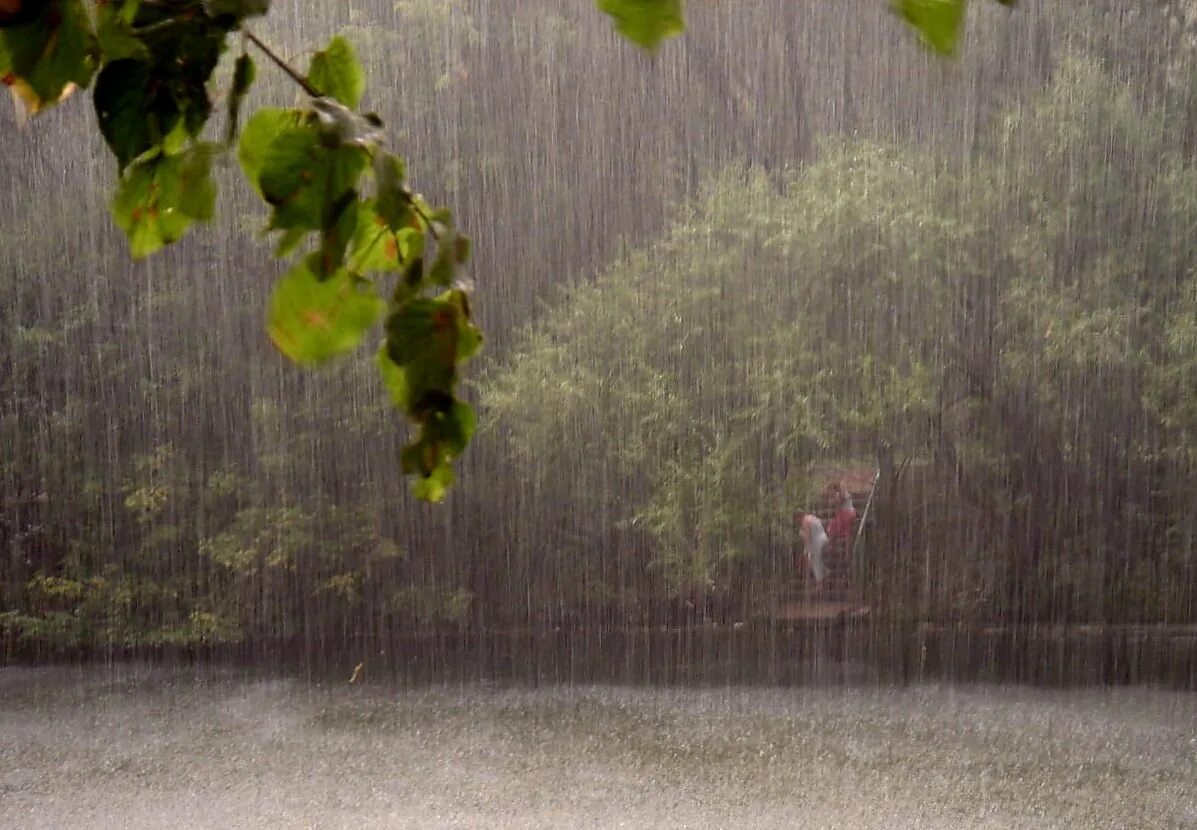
(158, 98)
(651, 384)
(937, 21)
(160, 197)
(645, 22)
(48, 54)
(259, 134)
(244, 72)
(311, 164)
(314, 319)
(335, 72)
(305, 180)
(989, 326)
(432, 604)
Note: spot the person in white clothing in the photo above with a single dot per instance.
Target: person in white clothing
(814, 540)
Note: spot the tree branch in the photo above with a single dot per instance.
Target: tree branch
(283, 65)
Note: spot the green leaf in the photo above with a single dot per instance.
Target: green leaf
(184, 47)
(411, 284)
(428, 339)
(394, 380)
(135, 208)
(197, 190)
(645, 22)
(260, 131)
(375, 247)
(142, 105)
(289, 241)
(44, 59)
(394, 199)
(123, 108)
(338, 233)
(244, 72)
(423, 330)
(305, 180)
(469, 341)
(422, 340)
(938, 22)
(434, 486)
(444, 434)
(461, 249)
(469, 338)
(453, 428)
(312, 320)
(126, 9)
(115, 34)
(159, 198)
(335, 72)
(444, 266)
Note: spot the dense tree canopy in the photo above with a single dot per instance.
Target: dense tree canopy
(1014, 324)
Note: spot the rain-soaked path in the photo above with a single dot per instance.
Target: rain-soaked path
(130, 746)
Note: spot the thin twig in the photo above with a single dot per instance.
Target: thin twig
(283, 65)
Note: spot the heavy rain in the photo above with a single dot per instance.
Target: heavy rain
(835, 460)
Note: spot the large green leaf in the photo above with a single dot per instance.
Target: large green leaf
(422, 339)
(645, 22)
(125, 109)
(260, 131)
(375, 247)
(335, 72)
(305, 180)
(159, 198)
(312, 320)
(938, 22)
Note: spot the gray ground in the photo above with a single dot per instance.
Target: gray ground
(140, 748)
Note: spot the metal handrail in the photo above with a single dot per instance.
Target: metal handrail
(865, 515)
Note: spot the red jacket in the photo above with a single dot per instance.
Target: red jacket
(841, 525)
